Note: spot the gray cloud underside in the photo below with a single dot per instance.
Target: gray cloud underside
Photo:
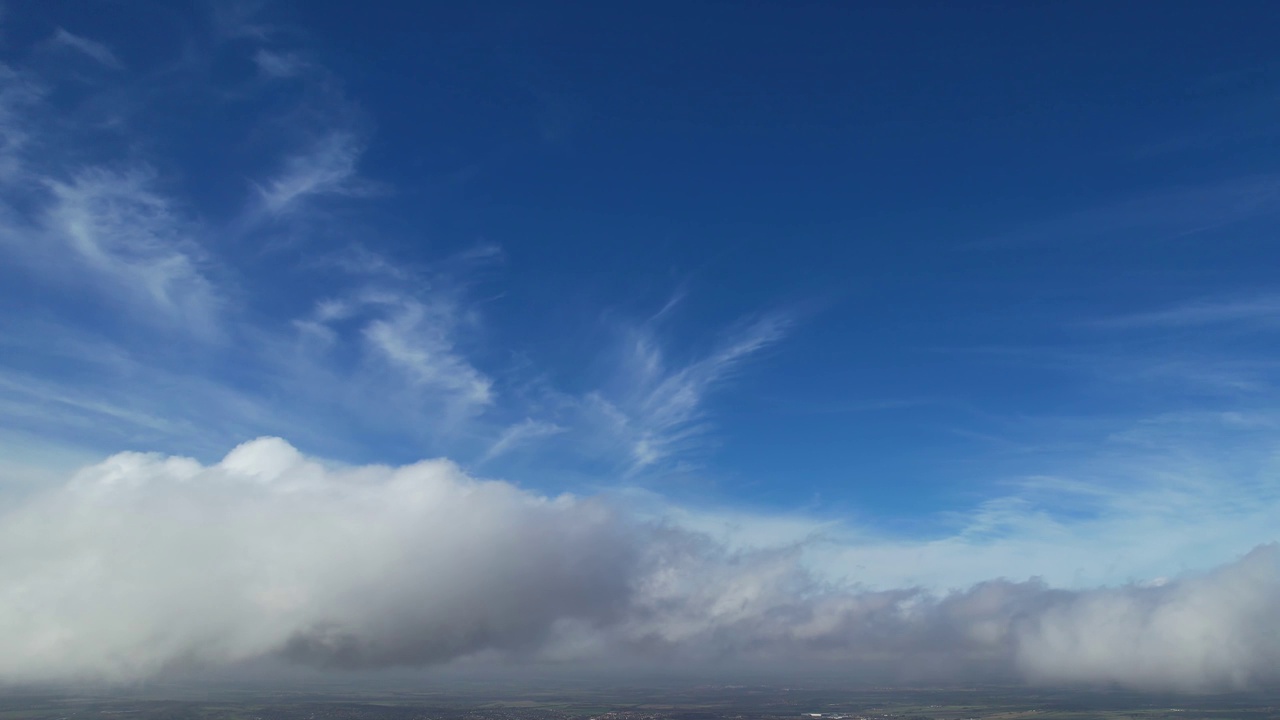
(143, 563)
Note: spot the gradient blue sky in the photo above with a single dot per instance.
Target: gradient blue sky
(921, 272)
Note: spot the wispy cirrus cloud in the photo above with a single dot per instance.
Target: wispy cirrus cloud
(110, 232)
(280, 65)
(241, 19)
(1253, 310)
(1161, 446)
(416, 338)
(19, 95)
(96, 51)
(1173, 213)
(328, 166)
(371, 347)
(658, 410)
(525, 431)
(102, 226)
(1210, 343)
(122, 230)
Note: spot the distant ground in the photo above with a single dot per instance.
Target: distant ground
(699, 703)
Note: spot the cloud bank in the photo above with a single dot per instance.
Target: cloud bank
(144, 563)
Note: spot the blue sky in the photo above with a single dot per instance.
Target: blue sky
(969, 290)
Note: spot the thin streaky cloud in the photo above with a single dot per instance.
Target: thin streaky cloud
(90, 48)
(1163, 360)
(20, 96)
(1158, 216)
(24, 395)
(107, 227)
(385, 348)
(1263, 309)
(525, 432)
(240, 19)
(118, 226)
(662, 410)
(408, 339)
(327, 167)
(415, 338)
(280, 65)
(112, 229)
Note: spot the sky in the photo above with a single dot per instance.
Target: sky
(916, 341)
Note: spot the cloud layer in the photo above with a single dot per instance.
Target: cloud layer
(143, 564)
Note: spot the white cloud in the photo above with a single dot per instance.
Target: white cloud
(105, 227)
(118, 227)
(1200, 632)
(523, 432)
(240, 19)
(113, 232)
(18, 93)
(30, 399)
(387, 350)
(269, 553)
(327, 167)
(1264, 309)
(97, 51)
(658, 410)
(1173, 213)
(413, 335)
(279, 65)
(417, 340)
(144, 563)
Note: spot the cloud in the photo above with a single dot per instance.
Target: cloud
(18, 95)
(414, 335)
(1165, 215)
(1263, 309)
(145, 564)
(1200, 632)
(658, 410)
(97, 51)
(121, 261)
(109, 230)
(120, 229)
(525, 431)
(327, 167)
(268, 552)
(129, 258)
(279, 65)
(416, 339)
(240, 19)
(105, 227)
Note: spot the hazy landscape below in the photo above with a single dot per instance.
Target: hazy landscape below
(708, 702)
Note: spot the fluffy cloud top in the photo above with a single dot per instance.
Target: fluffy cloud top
(145, 563)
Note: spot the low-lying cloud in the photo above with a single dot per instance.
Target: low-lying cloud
(145, 563)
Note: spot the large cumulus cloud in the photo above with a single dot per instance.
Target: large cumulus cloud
(143, 563)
